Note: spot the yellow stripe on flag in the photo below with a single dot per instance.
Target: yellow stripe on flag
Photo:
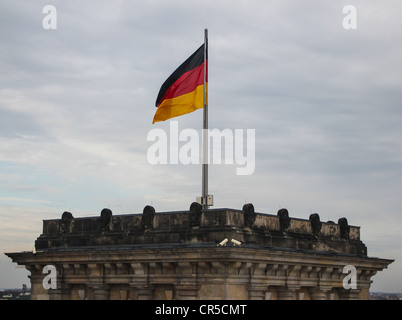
(180, 105)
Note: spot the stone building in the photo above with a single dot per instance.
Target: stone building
(192, 254)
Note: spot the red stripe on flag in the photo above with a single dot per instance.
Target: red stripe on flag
(186, 83)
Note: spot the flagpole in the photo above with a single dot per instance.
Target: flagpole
(205, 130)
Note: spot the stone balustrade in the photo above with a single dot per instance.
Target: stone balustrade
(197, 226)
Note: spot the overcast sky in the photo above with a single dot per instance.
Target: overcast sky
(77, 103)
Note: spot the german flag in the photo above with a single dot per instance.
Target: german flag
(183, 91)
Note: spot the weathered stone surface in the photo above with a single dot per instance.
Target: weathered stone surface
(104, 221)
(213, 225)
(195, 214)
(197, 272)
(249, 214)
(344, 228)
(180, 255)
(316, 224)
(284, 220)
(65, 222)
(148, 217)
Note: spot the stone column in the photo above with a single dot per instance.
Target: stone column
(145, 292)
(38, 292)
(186, 292)
(286, 293)
(62, 290)
(55, 294)
(258, 281)
(351, 294)
(101, 293)
(256, 292)
(186, 287)
(319, 294)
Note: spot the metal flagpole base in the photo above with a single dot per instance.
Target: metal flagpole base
(208, 202)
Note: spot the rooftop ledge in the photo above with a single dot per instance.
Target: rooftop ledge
(196, 226)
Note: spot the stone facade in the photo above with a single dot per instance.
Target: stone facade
(216, 254)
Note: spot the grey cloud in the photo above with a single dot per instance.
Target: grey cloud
(325, 103)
